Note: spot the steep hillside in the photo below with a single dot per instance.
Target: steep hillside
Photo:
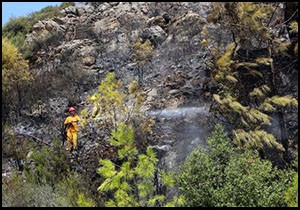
(72, 54)
(196, 64)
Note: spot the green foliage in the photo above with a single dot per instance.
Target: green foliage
(123, 137)
(84, 202)
(46, 165)
(260, 92)
(132, 182)
(291, 195)
(245, 19)
(254, 139)
(16, 27)
(244, 95)
(15, 75)
(133, 87)
(69, 191)
(74, 190)
(17, 39)
(221, 175)
(47, 181)
(294, 27)
(19, 193)
(108, 96)
(15, 70)
(167, 178)
(130, 176)
(249, 135)
(284, 101)
(112, 106)
(142, 51)
(225, 61)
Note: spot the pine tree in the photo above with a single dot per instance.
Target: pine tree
(246, 95)
(111, 105)
(132, 182)
(130, 175)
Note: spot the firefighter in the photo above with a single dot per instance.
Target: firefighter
(71, 124)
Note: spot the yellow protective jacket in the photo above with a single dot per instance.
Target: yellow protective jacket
(73, 127)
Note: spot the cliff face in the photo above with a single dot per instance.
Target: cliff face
(95, 39)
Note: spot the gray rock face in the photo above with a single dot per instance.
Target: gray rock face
(113, 28)
(155, 34)
(106, 25)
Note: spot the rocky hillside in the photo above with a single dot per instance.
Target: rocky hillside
(93, 39)
(72, 54)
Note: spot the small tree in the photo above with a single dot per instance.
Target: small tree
(249, 111)
(132, 182)
(143, 51)
(130, 175)
(111, 106)
(15, 74)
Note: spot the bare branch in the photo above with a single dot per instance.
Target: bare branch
(36, 139)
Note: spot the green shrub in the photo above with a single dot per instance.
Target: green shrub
(19, 193)
(74, 190)
(221, 175)
(47, 165)
(46, 181)
(70, 191)
(291, 195)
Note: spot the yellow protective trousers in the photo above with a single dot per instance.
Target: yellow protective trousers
(72, 138)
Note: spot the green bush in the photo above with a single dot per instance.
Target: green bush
(70, 191)
(221, 175)
(46, 181)
(47, 165)
(291, 195)
(74, 190)
(19, 193)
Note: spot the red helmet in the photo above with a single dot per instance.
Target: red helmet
(71, 109)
